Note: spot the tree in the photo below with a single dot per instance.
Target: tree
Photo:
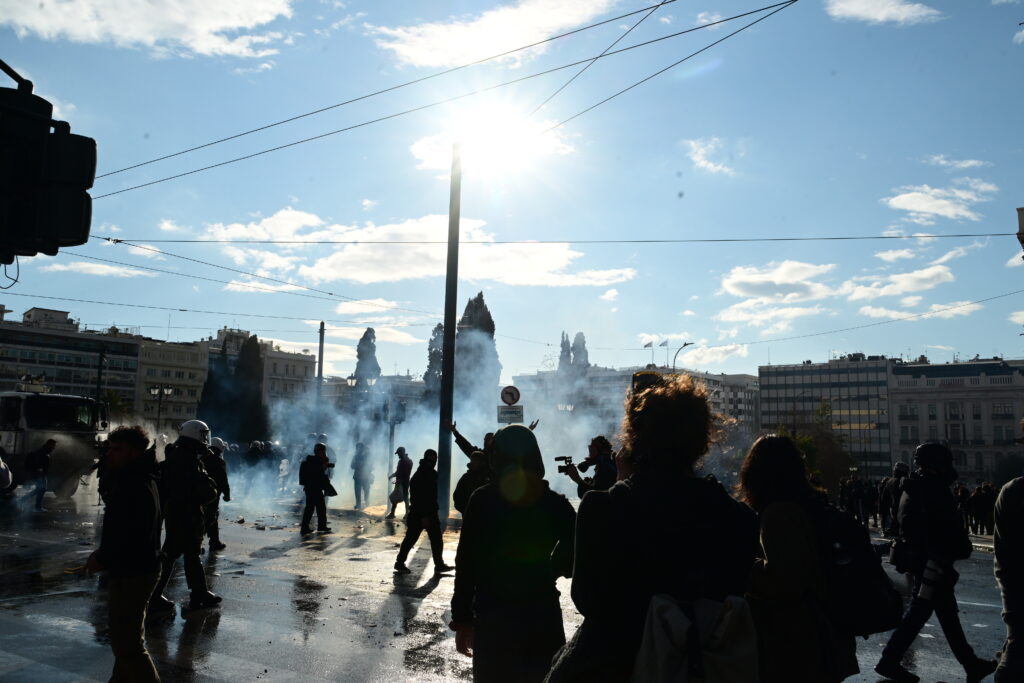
(823, 449)
(253, 421)
(435, 353)
(217, 403)
(580, 357)
(565, 355)
(367, 366)
(477, 369)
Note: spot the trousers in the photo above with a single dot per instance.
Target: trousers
(315, 501)
(195, 574)
(415, 527)
(943, 605)
(128, 598)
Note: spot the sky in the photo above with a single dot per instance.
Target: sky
(831, 118)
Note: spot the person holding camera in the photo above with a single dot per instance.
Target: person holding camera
(599, 456)
(313, 479)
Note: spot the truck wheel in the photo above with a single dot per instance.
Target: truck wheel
(67, 489)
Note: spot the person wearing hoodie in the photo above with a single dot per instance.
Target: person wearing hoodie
(932, 537)
(185, 490)
(130, 549)
(661, 529)
(477, 474)
(423, 515)
(517, 539)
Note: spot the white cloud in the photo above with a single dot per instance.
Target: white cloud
(705, 18)
(257, 286)
(956, 252)
(374, 260)
(259, 68)
(149, 251)
(893, 255)
(924, 203)
(367, 306)
(1015, 261)
(167, 225)
(784, 282)
(1018, 37)
(384, 334)
(334, 354)
(910, 301)
(458, 41)
(771, 319)
(226, 27)
(647, 337)
(699, 151)
(95, 269)
(666, 20)
(945, 311)
(688, 312)
(873, 286)
(901, 12)
(369, 204)
(956, 164)
(1017, 318)
(610, 295)
(1005, 2)
(940, 347)
(702, 357)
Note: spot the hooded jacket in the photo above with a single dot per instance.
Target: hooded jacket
(185, 489)
(929, 522)
(130, 539)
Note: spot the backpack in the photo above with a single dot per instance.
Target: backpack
(304, 473)
(861, 599)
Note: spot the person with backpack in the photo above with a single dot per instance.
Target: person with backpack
(932, 537)
(797, 641)
(660, 536)
(313, 479)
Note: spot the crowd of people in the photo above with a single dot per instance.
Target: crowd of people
(674, 575)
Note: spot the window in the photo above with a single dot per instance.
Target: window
(933, 433)
(979, 462)
(275, 368)
(192, 393)
(932, 411)
(191, 375)
(179, 374)
(165, 373)
(150, 372)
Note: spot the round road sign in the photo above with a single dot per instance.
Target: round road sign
(510, 395)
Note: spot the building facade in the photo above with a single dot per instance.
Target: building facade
(171, 377)
(850, 394)
(287, 375)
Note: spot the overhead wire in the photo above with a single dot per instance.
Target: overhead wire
(455, 98)
(415, 81)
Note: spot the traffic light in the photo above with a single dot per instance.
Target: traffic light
(45, 174)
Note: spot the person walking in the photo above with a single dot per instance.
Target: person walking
(362, 477)
(314, 481)
(37, 463)
(423, 515)
(1009, 570)
(185, 490)
(401, 475)
(932, 537)
(129, 550)
(660, 529)
(213, 462)
(516, 539)
(787, 584)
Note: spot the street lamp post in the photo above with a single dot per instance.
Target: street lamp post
(444, 435)
(159, 391)
(677, 354)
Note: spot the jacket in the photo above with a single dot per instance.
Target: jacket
(1009, 545)
(930, 525)
(423, 492)
(185, 489)
(130, 539)
(37, 462)
(795, 641)
(312, 476)
(217, 470)
(469, 482)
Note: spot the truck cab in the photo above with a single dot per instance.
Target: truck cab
(29, 418)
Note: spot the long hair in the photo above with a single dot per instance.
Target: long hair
(773, 470)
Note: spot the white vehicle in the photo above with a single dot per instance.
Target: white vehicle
(29, 418)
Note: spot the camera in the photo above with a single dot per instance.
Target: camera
(330, 464)
(586, 464)
(567, 459)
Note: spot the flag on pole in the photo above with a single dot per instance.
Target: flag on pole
(649, 345)
(664, 343)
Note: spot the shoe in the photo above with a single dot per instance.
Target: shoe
(204, 600)
(400, 568)
(305, 530)
(158, 604)
(894, 671)
(442, 568)
(217, 545)
(324, 530)
(980, 669)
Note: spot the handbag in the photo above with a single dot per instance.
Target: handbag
(397, 494)
(329, 491)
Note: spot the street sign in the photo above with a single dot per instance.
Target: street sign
(510, 415)
(510, 395)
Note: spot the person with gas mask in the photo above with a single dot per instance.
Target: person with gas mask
(931, 538)
(216, 468)
(185, 491)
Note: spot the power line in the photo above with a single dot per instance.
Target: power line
(366, 302)
(672, 65)
(709, 240)
(444, 101)
(386, 90)
(590, 64)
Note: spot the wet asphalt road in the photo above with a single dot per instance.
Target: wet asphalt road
(324, 607)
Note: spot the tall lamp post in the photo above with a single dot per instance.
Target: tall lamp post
(677, 354)
(158, 392)
(444, 435)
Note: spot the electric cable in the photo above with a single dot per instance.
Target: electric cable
(383, 91)
(447, 101)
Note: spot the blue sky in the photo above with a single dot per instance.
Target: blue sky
(831, 118)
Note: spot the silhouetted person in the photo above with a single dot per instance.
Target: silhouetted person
(1009, 568)
(216, 469)
(130, 549)
(890, 498)
(314, 481)
(787, 584)
(185, 490)
(934, 535)
(401, 475)
(517, 538)
(423, 515)
(599, 456)
(659, 530)
(37, 464)
(465, 446)
(477, 474)
(361, 476)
